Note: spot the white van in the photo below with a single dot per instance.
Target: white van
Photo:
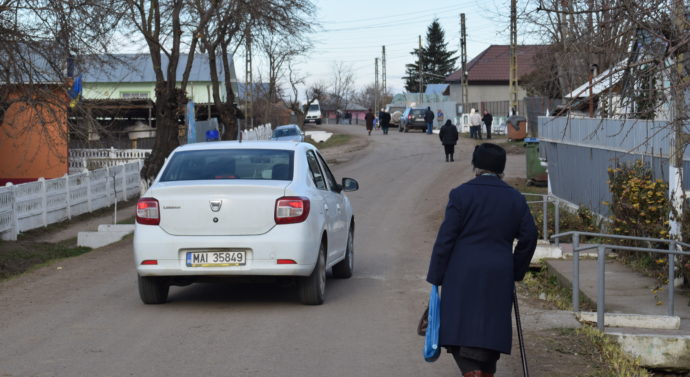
(313, 113)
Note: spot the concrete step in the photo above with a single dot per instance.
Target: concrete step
(636, 316)
(106, 235)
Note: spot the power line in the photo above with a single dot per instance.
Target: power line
(386, 24)
(418, 14)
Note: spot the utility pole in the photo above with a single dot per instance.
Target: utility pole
(383, 70)
(419, 72)
(463, 57)
(677, 147)
(249, 100)
(376, 84)
(513, 58)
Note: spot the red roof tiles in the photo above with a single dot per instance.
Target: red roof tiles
(493, 64)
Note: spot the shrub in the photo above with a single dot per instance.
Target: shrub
(640, 207)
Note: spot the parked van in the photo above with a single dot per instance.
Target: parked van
(313, 113)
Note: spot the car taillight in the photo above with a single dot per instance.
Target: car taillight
(291, 209)
(148, 211)
(410, 116)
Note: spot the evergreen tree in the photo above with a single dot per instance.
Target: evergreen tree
(437, 61)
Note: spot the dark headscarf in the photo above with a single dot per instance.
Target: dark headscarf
(489, 157)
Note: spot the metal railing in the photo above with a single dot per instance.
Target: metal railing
(545, 199)
(673, 250)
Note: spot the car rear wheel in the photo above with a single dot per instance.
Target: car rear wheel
(312, 288)
(153, 290)
(344, 268)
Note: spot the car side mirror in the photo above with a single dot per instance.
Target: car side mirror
(350, 184)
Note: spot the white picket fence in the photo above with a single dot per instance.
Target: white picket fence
(37, 204)
(262, 132)
(81, 159)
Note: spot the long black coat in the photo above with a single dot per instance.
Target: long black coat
(448, 134)
(474, 262)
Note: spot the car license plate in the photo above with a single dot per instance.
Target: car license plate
(221, 258)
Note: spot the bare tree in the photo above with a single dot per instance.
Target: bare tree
(234, 23)
(280, 50)
(368, 95)
(40, 43)
(295, 80)
(580, 33)
(167, 26)
(342, 85)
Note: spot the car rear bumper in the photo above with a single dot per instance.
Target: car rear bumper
(262, 252)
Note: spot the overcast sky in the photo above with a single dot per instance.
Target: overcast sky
(353, 31)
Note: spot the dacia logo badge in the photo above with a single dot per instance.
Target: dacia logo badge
(215, 205)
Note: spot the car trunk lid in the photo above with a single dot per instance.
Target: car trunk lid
(241, 207)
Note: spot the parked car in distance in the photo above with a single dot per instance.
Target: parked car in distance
(288, 132)
(313, 113)
(412, 117)
(256, 208)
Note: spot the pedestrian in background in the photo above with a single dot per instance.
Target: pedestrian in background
(385, 120)
(429, 119)
(439, 117)
(487, 119)
(369, 121)
(449, 137)
(474, 263)
(475, 124)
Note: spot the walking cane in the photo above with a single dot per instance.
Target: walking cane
(521, 341)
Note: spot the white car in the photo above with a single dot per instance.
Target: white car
(244, 209)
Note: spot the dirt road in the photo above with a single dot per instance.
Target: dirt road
(83, 317)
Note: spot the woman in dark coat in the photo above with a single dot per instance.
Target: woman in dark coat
(369, 121)
(474, 263)
(449, 137)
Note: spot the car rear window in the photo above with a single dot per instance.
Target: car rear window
(418, 112)
(254, 164)
(285, 132)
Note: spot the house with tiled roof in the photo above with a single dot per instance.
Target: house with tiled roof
(488, 77)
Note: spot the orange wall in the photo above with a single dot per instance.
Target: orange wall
(34, 140)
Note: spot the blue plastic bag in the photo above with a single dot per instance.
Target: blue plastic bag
(431, 348)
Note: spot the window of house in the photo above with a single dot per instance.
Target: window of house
(130, 95)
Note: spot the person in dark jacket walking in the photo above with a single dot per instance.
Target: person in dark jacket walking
(474, 262)
(487, 119)
(369, 121)
(449, 137)
(385, 120)
(429, 119)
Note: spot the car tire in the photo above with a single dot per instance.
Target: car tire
(153, 290)
(312, 288)
(318, 121)
(344, 268)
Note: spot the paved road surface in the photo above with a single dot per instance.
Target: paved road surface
(83, 317)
